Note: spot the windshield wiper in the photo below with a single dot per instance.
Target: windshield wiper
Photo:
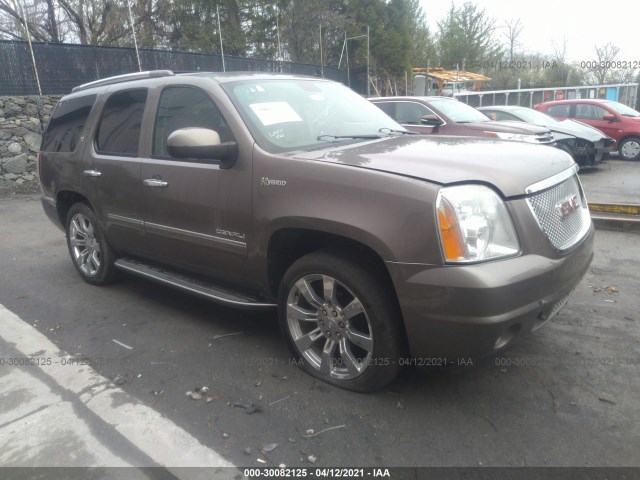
(339, 137)
(390, 130)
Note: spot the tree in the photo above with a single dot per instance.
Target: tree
(514, 29)
(466, 38)
(605, 59)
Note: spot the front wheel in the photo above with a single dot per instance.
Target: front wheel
(342, 322)
(629, 148)
(91, 254)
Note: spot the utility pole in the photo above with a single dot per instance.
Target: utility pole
(33, 58)
(368, 79)
(321, 60)
(220, 36)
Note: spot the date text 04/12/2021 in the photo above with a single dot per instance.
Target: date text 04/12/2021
(306, 472)
(376, 361)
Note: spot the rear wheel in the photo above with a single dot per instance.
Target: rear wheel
(629, 148)
(91, 254)
(341, 321)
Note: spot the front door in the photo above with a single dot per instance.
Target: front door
(195, 213)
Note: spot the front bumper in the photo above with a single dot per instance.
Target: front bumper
(472, 311)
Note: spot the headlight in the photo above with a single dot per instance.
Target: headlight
(474, 225)
(517, 137)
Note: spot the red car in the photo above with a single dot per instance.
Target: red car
(612, 118)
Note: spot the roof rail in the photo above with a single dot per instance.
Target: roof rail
(123, 78)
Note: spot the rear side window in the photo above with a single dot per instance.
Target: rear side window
(558, 110)
(119, 130)
(67, 124)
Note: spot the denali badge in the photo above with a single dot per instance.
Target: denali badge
(265, 182)
(568, 206)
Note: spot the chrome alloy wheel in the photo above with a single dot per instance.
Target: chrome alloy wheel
(630, 149)
(85, 247)
(329, 326)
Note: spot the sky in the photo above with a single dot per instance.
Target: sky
(584, 23)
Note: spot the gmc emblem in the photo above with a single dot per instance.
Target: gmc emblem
(568, 206)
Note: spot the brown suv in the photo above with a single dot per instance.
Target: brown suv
(378, 247)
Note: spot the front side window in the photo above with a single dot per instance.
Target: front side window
(410, 113)
(119, 130)
(588, 111)
(184, 107)
(67, 124)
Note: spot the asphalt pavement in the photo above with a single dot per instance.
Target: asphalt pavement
(103, 375)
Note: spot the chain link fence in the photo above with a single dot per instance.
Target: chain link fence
(63, 66)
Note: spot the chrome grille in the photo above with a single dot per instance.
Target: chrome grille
(561, 212)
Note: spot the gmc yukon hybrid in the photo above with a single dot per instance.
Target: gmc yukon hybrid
(377, 246)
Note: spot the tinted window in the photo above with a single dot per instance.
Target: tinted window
(411, 112)
(119, 131)
(558, 110)
(67, 124)
(183, 107)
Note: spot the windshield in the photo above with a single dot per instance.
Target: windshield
(290, 114)
(622, 109)
(533, 116)
(457, 111)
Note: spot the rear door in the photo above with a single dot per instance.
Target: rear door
(113, 171)
(195, 213)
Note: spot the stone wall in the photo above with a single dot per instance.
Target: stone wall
(22, 120)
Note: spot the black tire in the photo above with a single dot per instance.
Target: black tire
(90, 253)
(372, 335)
(629, 148)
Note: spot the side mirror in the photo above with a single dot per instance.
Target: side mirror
(431, 120)
(609, 117)
(202, 144)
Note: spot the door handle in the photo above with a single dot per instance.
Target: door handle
(155, 182)
(92, 173)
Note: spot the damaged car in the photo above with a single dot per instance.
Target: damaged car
(587, 145)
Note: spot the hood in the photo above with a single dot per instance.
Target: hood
(577, 129)
(505, 126)
(508, 166)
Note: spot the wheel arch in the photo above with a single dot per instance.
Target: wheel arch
(287, 245)
(65, 199)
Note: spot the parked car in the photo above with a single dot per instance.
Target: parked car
(448, 116)
(294, 193)
(614, 119)
(587, 145)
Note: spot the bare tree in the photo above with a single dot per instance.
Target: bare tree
(41, 19)
(514, 29)
(605, 62)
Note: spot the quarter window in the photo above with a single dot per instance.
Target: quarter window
(119, 131)
(184, 107)
(67, 124)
